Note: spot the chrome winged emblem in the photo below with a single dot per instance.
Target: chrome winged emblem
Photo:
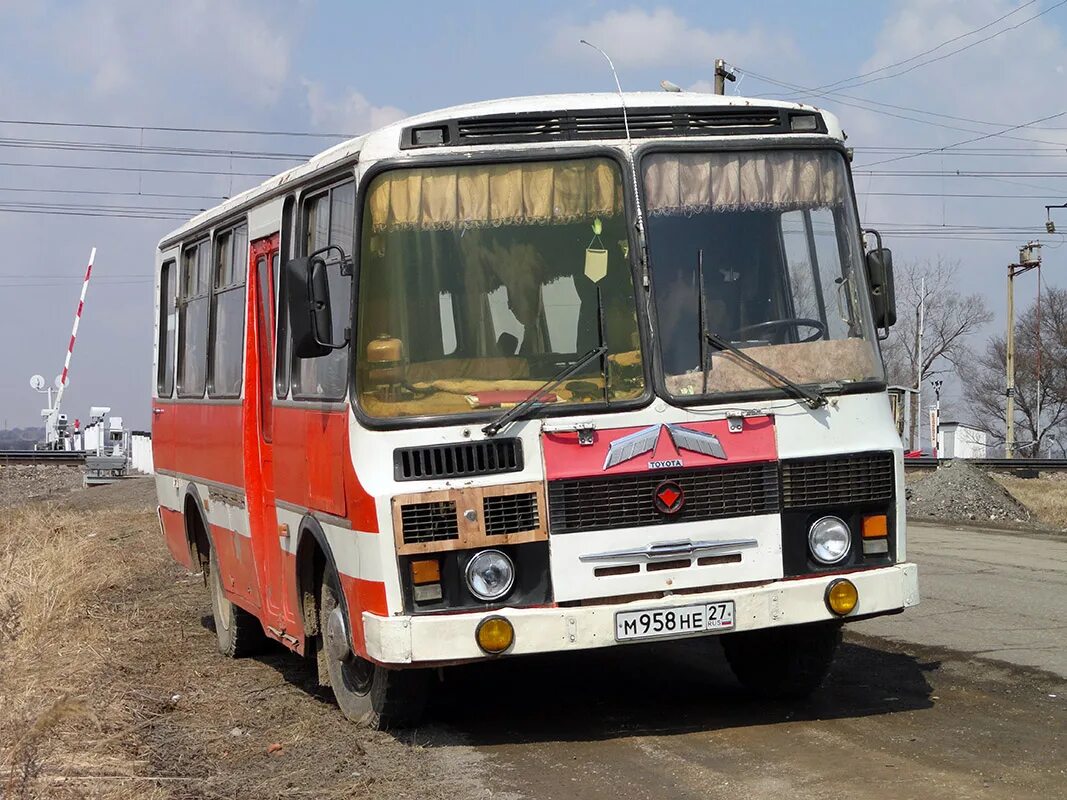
(707, 444)
(643, 441)
(632, 445)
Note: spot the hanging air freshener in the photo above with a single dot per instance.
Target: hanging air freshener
(596, 257)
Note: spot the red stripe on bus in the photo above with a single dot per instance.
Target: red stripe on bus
(237, 568)
(362, 596)
(174, 534)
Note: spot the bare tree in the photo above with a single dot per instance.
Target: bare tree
(950, 319)
(984, 379)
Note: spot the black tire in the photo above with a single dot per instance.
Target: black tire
(783, 663)
(238, 633)
(380, 698)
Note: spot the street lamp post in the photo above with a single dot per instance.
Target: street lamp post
(1029, 258)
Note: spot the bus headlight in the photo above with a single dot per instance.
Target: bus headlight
(829, 540)
(490, 575)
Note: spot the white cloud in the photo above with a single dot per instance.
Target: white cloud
(639, 38)
(351, 113)
(124, 45)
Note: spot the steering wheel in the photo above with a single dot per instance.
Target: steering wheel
(779, 324)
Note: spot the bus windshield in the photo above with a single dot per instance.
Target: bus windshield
(773, 236)
(478, 283)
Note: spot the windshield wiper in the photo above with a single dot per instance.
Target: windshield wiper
(813, 399)
(534, 399)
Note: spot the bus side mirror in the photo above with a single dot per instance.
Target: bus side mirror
(310, 317)
(883, 293)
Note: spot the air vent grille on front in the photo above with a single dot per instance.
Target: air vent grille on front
(510, 513)
(838, 480)
(489, 457)
(626, 501)
(429, 522)
(553, 126)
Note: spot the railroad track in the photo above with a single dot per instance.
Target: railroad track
(1002, 464)
(41, 457)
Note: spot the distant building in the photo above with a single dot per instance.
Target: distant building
(956, 440)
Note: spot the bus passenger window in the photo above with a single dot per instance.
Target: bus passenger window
(168, 324)
(329, 219)
(193, 302)
(228, 312)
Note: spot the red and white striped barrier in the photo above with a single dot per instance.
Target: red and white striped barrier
(74, 332)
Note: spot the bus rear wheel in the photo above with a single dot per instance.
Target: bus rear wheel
(381, 698)
(783, 663)
(238, 633)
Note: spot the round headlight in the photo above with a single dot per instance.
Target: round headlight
(830, 540)
(490, 575)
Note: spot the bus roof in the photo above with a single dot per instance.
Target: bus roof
(384, 142)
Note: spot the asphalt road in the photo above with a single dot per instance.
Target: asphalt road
(963, 697)
(998, 595)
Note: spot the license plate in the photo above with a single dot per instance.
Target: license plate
(679, 621)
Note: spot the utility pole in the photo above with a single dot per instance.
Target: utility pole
(1029, 258)
(920, 322)
(722, 74)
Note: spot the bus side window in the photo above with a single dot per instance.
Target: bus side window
(193, 302)
(329, 219)
(285, 252)
(228, 312)
(167, 328)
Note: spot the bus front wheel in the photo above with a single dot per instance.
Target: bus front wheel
(783, 663)
(368, 693)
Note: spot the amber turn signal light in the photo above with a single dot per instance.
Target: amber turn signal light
(875, 526)
(494, 635)
(426, 571)
(842, 596)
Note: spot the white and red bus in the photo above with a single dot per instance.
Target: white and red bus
(503, 379)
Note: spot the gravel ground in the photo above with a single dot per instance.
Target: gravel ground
(23, 483)
(958, 492)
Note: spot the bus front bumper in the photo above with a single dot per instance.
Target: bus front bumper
(443, 638)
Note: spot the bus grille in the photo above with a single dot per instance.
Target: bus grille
(429, 522)
(838, 480)
(626, 501)
(510, 513)
(489, 457)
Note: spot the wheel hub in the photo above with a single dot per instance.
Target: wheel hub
(336, 636)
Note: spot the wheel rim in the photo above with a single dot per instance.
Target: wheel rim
(356, 674)
(221, 604)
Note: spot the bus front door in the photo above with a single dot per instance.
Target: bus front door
(278, 614)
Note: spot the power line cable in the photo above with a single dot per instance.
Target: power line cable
(966, 141)
(171, 129)
(121, 147)
(114, 193)
(958, 50)
(139, 169)
(927, 52)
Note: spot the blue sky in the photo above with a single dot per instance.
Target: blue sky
(346, 66)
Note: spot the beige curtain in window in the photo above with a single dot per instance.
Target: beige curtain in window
(690, 183)
(500, 194)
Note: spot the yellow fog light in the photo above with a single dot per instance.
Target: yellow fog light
(494, 635)
(842, 596)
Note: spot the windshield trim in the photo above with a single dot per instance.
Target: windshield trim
(770, 392)
(544, 153)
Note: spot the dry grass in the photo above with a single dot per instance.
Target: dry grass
(56, 729)
(1046, 497)
(111, 686)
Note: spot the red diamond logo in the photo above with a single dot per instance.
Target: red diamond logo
(668, 498)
